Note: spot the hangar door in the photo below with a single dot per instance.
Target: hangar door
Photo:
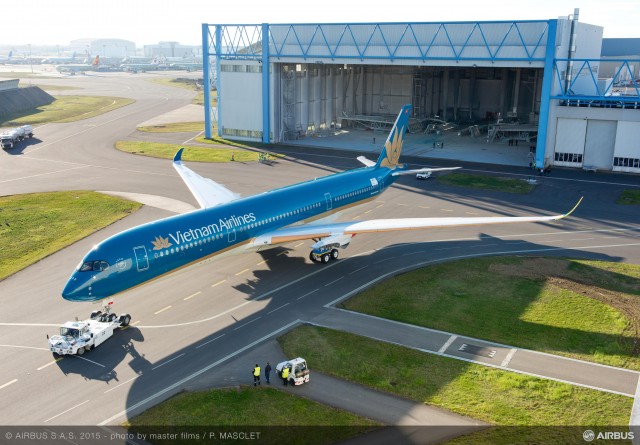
(600, 144)
(570, 137)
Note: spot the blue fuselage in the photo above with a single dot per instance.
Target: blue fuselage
(146, 252)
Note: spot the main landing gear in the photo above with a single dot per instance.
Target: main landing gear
(324, 255)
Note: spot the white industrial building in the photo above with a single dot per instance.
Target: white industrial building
(105, 48)
(527, 86)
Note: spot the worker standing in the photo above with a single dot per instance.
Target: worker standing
(267, 371)
(256, 375)
(285, 375)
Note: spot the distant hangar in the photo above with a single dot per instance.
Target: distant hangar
(528, 90)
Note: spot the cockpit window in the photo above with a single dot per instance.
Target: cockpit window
(95, 266)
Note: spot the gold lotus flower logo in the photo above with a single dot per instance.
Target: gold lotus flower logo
(161, 243)
(393, 149)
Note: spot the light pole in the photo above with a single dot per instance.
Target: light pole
(30, 59)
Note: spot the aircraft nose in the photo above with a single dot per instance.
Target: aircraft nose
(71, 290)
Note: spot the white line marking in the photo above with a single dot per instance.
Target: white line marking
(168, 361)
(334, 281)
(412, 253)
(357, 270)
(49, 364)
(123, 383)
(134, 323)
(308, 293)
(43, 174)
(195, 374)
(87, 360)
(193, 295)
(385, 260)
(635, 411)
(249, 322)
(10, 383)
(24, 347)
(219, 282)
(206, 343)
(447, 343)
(65, 412)
(163, 309)
(298, 245)
(270, 312)
(259, 264)
(508, 358)
(241, 272)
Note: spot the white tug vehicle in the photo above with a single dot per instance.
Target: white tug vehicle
(298, 370)
(77, 337)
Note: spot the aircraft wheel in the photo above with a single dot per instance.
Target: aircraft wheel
(334, 254)
(325, 258)
(80, 351)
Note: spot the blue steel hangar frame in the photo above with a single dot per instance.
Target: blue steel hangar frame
(496, 44)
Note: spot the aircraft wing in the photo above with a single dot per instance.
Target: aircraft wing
(207, 192)
(342, 231)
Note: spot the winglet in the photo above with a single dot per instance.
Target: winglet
(178, 156)
(574, 207)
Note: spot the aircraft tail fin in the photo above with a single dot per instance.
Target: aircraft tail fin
(393, 146)
(10, 54)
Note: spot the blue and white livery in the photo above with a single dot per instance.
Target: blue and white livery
(227, 223)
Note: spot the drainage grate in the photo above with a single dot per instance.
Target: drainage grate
(477, 350)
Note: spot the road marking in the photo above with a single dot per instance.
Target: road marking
(379, 205)
(635, 411)
(206, 343)
(371, 210)
(43, 174)
(49, 364)
(447, 343)
(308, 293)
(249, 322)
(382, 261)
(24, 347)
(446, 210)
(412, 253)
(508, 358)
(298, 245)
(10, 383)
(286, 304)
(65, 412)
(168, 361)
(404, 205)
(193, 295)
(241, 272)
(163, 309)
(471, 213)
(219, 282)
(123, 383)
(259, 264)
(135, 323)
(357, 270)
(283, 253)
(424, 207)
(196, 374)
(328, 284)
(87, 360)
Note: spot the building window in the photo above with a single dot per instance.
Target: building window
(575, 158)
(626, 162)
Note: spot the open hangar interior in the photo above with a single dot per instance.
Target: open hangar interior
(516, 93)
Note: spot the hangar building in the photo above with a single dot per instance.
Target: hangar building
(527, 91)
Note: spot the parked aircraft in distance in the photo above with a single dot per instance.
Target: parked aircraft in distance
(80, 68)
(58, 60)
(228, 224)
(187, 66)
(7, 58)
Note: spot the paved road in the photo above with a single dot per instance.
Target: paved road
(188, 326)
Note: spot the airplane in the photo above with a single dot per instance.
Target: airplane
(55, 60)
(186, 66)
(82, 68)
(7, 58)
(227, 223)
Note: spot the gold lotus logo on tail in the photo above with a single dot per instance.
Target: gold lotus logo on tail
(393, 149)
(161, 243)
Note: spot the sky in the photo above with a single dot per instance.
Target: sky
(151, 21)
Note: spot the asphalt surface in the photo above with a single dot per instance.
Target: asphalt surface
(189, 328)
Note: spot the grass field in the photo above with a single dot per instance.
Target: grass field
(588, 310)
(193, 154)
(36, 225)
(486, 182)
(255, 408)
(492, 395)
(629, 197)
(67, 109)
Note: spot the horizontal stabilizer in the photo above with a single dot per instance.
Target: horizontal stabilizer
(365, 161)
(423, 170)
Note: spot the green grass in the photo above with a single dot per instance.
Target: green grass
(174, 127)
(255, 408)
(484, 393)
(193, 154)
(67, 109)
(36, 225)
(629, 197)
(486, 182)
(573, 308)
